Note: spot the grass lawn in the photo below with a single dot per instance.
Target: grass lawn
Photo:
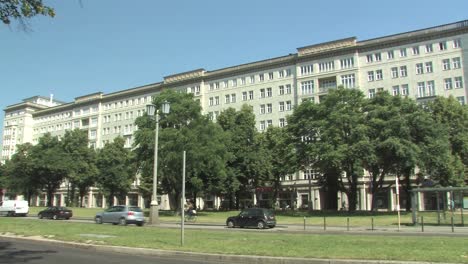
(428, 248)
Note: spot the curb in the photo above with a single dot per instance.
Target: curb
(210, 257)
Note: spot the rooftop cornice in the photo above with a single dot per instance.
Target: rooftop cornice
(24, 105)
(414, 36)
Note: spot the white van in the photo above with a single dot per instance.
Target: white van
(14, 208)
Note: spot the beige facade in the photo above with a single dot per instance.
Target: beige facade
(420, 64)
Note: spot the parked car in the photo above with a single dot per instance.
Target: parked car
(55, 212)
(121, 214)
(14, 208)
(253, 217)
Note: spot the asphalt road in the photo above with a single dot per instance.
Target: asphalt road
(37, 252)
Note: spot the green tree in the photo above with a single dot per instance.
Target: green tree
(18, 173)
(330, 136)
(282, 157)
(21, 9)
(448, 167)
(82, 169)
(246, 166)
(50, 164)
(183, 129)
(392, 150)
(116, 170)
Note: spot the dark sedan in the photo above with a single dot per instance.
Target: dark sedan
(253, 217)
(55, 212)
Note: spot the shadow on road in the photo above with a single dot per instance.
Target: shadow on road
(10, 254)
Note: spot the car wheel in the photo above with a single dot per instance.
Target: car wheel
(230, 224)
(271, 226)
(68, 218)
(39, 216)
(98, 220)
(122, 221)
(139, 224)
(260, 225)
(55, 217)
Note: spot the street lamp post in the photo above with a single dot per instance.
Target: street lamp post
(152, 111)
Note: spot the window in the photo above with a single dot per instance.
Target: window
(270, 76)
(307, 87)
(370, 76)
(348, 81)
(404, 90)
(416, 50)
(307, 69)
(225, 84)
(217, 100)
(443, 45)
(347, 63)
(262, 93)
(403, 52)
(429, 66)
(288, 89)
(269, 108)
(261, 76)
(326, 66)
(429, 48)
(262, 109)
(244, 96)
(395, 72)
(233, 98)
(378, 75)
(456, 63)
(421, 89)
(251, 95)
(448, 84)
(430, 88)
(446, 64)
(403, 71)
(269, 123)
(369, 58)
(371, 93)
(288, 105)
(395, 90)
(288, 72)
(390, 55)
(227, 99)
(281, 89)
(378, 56)
(262, 125)
(243, 81)
(281, 106)
(457, 43)
(461, 100)
(282, 122)
(419, 68)
(281, 73)
(269, 92)
(458, 82)
(252, 79)
(234, 82)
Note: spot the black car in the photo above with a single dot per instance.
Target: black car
(253, 217)
(55, 212)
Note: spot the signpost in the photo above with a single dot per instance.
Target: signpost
(398, 200)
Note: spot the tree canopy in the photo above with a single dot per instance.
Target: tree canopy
(21, 9)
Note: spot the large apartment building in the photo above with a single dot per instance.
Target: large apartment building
(420, 64)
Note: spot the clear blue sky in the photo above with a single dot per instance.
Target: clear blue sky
(110, 45)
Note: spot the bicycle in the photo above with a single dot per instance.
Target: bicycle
(190, 218)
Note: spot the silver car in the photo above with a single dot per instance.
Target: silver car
(121, 214)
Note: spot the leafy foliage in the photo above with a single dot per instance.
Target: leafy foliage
(19, 9)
